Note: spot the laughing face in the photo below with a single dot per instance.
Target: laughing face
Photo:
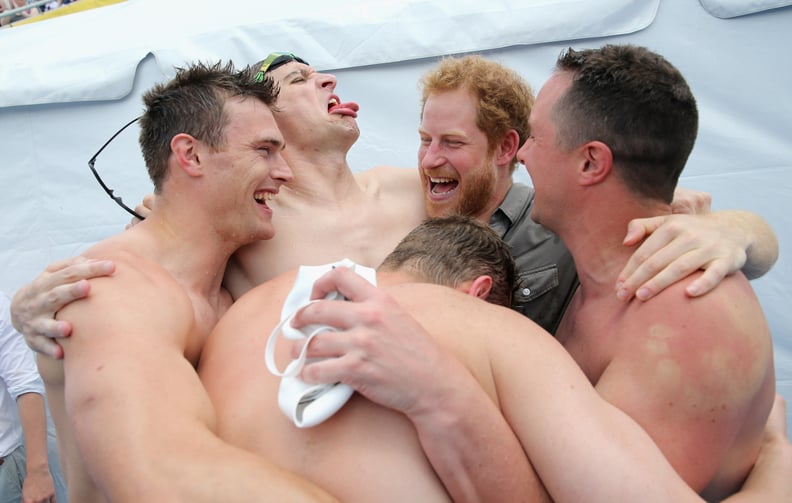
(544, 159)
(249, 171)
(457, 169)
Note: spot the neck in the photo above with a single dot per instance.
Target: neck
(194, 254)
(319, 175)
(389, 277)
(595, 236)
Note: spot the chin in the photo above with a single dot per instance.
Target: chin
(435, 211)
(263, 235)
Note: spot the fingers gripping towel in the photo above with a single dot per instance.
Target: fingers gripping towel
(308, 404)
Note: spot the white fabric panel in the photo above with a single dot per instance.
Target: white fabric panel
(74, 80)
(104, 46)
(734, 8)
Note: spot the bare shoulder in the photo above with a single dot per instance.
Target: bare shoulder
(390, 179)
(458, 320)
(257, 305)
(728, 316)
(389, 174)
(234, 352)
(713, 342)
(244, 328)
(139, 298)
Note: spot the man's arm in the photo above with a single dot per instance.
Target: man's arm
(769, 480)
(141, 418)
(462, 432)
(38, 485)
(674, 246)
(21, 379)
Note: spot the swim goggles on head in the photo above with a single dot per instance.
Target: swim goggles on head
(274, 60)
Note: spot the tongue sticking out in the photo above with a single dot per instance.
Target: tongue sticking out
(350, 109)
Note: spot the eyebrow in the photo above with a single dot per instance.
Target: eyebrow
(280, 145)
(445, 134)
(300, 71)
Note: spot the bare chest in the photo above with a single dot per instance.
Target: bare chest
(591, 334)
(363, 233)
(206, 317)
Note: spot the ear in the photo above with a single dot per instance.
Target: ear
(479, 287)
(597, 163)
(507, 148)
(185, 149)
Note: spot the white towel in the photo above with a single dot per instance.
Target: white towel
(308, 404)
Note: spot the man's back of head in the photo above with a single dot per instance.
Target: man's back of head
(453, 250)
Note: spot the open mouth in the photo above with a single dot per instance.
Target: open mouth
(334, 106)
(442, 185)
(261, 197)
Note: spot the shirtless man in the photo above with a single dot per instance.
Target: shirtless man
(367, 452)
(377, 206)
(327, 213)
(372, 210)
(470, 145)
(696, 373)
(133, 421)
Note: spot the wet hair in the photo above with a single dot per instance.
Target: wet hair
(451, 250)
(504, 98)
(638, 104)
(193, 102)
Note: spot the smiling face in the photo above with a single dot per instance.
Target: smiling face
(309, 111)
(457, 168)
(542, 156)
(248, 169)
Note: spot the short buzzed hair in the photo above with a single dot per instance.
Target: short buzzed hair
(638, 104)
(193, 102)
(451, 250)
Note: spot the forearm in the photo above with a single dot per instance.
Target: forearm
(218, 472)
(473, 450)
(769, 480)
(34, 424)
(761, 243)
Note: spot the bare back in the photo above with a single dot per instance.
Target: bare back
(363, 453)
(364, 226)
(696, 373)
(367, 453)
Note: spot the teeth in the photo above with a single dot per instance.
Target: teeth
(333, 102)
(263, 196)
(441, 180)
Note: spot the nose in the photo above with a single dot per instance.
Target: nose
(523, 152)
(281, 170)
(327, 80)
(430, 155)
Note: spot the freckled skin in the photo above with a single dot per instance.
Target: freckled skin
(697, 374)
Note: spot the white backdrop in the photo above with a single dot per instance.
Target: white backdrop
(68, 83)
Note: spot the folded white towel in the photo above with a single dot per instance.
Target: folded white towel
(308, 404)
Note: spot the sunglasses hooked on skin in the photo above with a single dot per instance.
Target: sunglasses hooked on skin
(271, 62)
